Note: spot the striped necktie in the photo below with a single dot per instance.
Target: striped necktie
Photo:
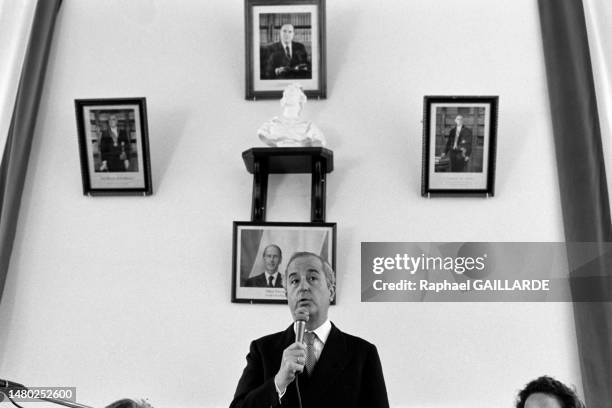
(311, 358)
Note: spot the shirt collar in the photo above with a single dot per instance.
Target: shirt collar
(322, 331)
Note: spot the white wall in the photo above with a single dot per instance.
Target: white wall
(130, 296)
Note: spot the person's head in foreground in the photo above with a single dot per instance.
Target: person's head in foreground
(546, 392)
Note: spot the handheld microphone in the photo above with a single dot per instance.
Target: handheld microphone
(300, 326)
(301, 317)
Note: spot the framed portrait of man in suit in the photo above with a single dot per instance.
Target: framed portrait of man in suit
(459, 145)
(114, 146)
(285, 43)
(262, 250)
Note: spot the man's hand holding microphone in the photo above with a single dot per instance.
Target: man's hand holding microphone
(294, 356)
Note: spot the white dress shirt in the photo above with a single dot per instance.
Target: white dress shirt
(322, 333)
(290, 49)
(114, 134)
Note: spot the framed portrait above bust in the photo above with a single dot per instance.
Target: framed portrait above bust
(285, 43)
(459, 145)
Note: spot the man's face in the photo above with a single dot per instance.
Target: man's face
(459, 120)
(286, 33)
(272, 258)
(307, 288)
(541, 400)
(112, 121)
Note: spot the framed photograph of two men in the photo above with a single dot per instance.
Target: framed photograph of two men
(114, 146)
(262, 250)
(285, 43)
(459, 145)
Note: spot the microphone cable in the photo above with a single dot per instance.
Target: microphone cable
(13, 402)
(297, 387)
(9, 384)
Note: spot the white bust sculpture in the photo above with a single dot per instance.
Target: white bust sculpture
(290, 130)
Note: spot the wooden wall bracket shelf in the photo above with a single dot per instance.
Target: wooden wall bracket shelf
(262, 161)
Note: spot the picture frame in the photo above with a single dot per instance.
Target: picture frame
(270, 67)
(262, 249)
(459, 164)
(114, 146)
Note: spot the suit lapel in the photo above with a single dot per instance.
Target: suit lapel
(288, 338)
(285, 340)
(282, 342)
(331, 363)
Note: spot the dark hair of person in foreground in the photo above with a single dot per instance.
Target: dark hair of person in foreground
(566, 397)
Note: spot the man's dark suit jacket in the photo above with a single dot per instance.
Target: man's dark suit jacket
(465, 140)
(277, 57)
(348, 374)
(112, 153)
(457, 157)
(259, 281)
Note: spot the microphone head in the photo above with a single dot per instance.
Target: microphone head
(301, 317)
(301, 314)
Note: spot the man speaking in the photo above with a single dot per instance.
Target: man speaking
(330, 369)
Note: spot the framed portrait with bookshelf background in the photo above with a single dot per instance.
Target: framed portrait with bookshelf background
(285, 43)
(114, 146)
(459, 145)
